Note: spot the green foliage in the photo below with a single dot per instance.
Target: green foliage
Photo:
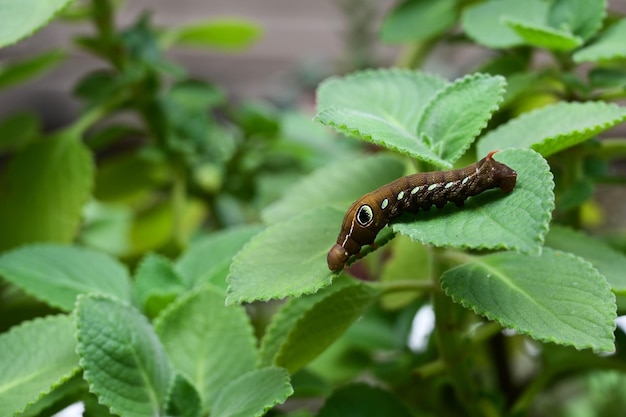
(165, 205)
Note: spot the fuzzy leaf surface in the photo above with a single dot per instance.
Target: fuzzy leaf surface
(125, 364)
(418, 20)
(208, 259)
(43, 190)
(555, 297)
(37, 356)
(609, 45)
(207, 342)
(581, 17)
(286, 259)
(610, 263)
(381, 106)
(361, 400)
(57, 274)
(458, 112)
(253, 394)
(493, 220)
(21, 18)
(336, 185)
(551, 129)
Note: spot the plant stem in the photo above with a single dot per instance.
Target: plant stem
(430, 369)
(454, 348)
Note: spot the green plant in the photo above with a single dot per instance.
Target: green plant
(164, 343)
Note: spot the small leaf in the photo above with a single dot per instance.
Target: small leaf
(208, 259)
(383, 107)
(253, 393)
(609, 45)
(556, 297)
(182, 399)
(543, 36)
(580, 17)
(124, 362)
(418, 20)
(459, 111)
(225, 34)
(57, 274)
(361, 400)
(19, 72)
(37, 356)
(551, 129)
(21, 18)
(286, 259)
(156, 284)
(336, 185)
(607, 260)
(207, 342)
(322, 324)
(43, 190)
(493, 220)
(486, 22)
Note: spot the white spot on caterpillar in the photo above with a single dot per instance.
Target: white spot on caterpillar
(415, 190)
(400, 195)
(450, 184)
(432, 186)
(466, 179)
(384, 204)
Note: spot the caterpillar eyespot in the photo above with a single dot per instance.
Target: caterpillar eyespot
(370, 213)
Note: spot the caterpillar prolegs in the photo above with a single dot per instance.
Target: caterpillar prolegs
(370, 213)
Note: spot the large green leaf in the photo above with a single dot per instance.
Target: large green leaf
(37, 356)
(361, 400)
(57, 274)
(610, 263)
(43, 190)
(21, 18)
(381, 106)
(493, 220)
(207, 342)
(609, 45)
(553, 128)
(418, 20)
(253, 394)
(125, 364)
(337, 186)
(555, 297)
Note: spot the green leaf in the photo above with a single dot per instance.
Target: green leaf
(492, 219)
(253, 393)
(156, 284)
(543, 36)
(551, 129)
(458, 112)
(207, 342)
(383, 107)
(319, 326)
(125, 364)
(285, 320)
(58, 274)
(37, 357)
(609, 45)
(361, 400)
(556, 297)
(418, 20)
(486, 22)
(225, 34)
(604, 258)
(208, 259)
(18, 130)
(286, 259)
(43, 190)
(336, 185)
(580, 17)
(183, 400)
(19, 72)
(607, 77)
(21, 18)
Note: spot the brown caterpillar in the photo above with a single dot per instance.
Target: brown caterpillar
(370, 213)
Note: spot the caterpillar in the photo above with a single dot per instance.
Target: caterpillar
(370, 213)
